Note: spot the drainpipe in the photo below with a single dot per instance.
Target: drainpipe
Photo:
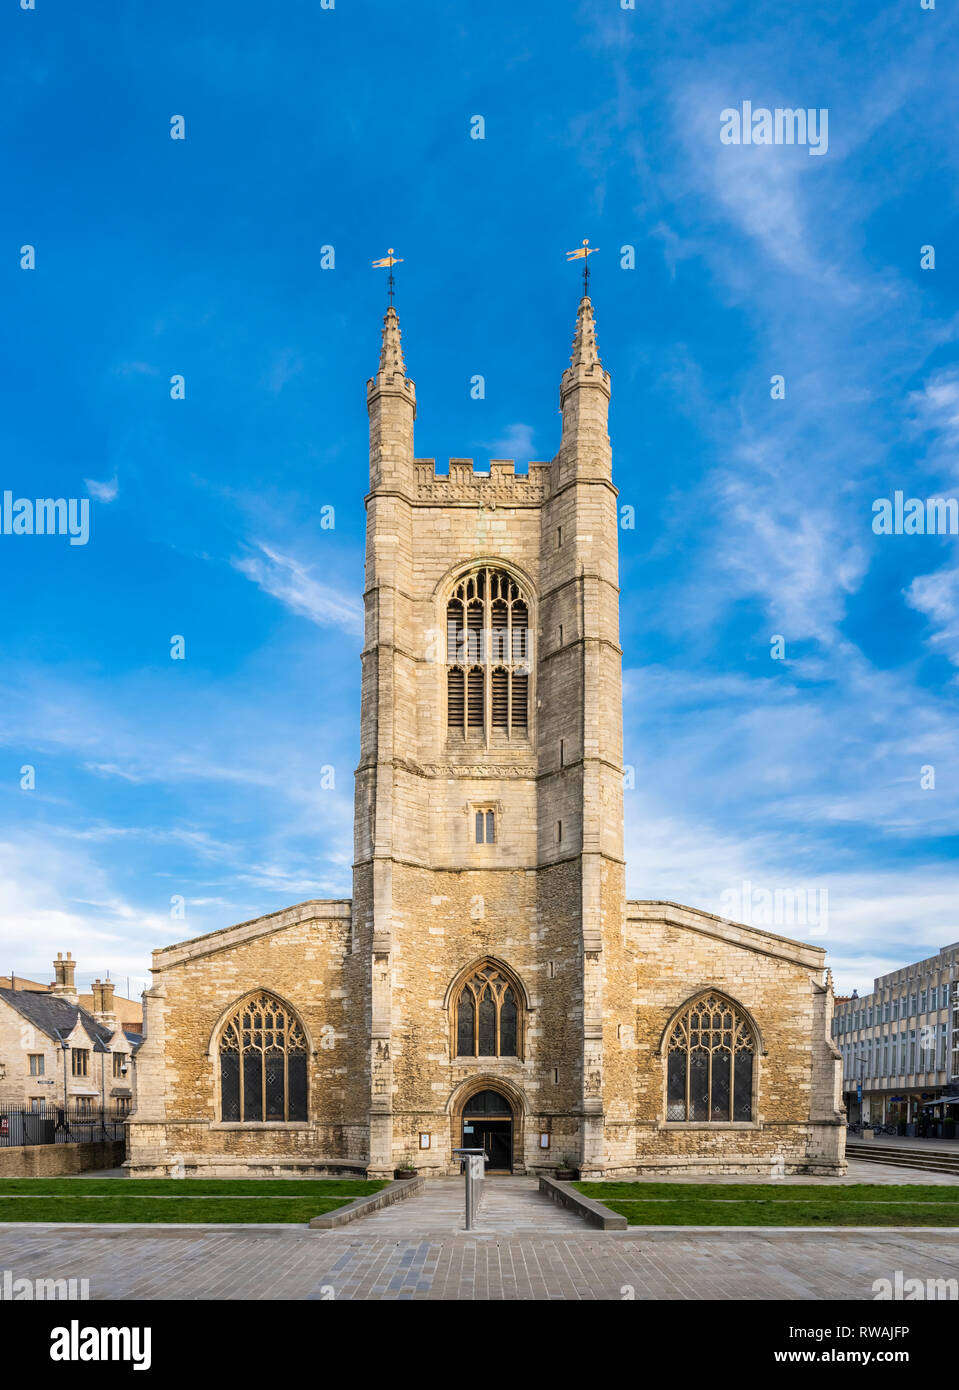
(66, 1048)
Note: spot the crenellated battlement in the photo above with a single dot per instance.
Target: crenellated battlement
(501, 483)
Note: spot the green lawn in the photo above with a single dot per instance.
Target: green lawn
(152, 1200)
(772, 1204)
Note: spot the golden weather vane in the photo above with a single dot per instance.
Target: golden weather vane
(390, 260)
(583, 253)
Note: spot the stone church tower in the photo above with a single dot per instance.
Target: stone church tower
(497, 592)
(489, 983)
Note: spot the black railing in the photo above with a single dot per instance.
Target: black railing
(57, 1124)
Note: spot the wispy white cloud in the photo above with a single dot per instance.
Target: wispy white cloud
(874, 920)
(292, 583)
(114, 770)
(285, 366)
(935, 409)
(136, 369)
(516, 443)
(102, 492)
(70, 906)
(937, 596)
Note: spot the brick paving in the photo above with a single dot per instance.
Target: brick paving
(509, 1206)
(135, 1263)
(524, 1248)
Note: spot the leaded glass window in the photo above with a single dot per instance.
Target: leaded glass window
(487, 657)
(263, 1073)
(487, 1016)
(709, 1063)
(486, 827)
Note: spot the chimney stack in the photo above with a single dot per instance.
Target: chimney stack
(103, 1007)
(65, 983)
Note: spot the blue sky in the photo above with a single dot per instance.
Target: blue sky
(201, 779)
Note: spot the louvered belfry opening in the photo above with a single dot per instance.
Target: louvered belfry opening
(487, 657)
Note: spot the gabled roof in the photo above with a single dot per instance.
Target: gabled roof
(54, 1015)
(336, 910)
(735, 933)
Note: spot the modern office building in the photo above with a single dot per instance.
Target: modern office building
(900, 1044)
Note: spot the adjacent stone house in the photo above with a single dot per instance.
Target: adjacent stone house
(54, 1052)
(488, 983)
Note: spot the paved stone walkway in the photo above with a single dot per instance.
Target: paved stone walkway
(292, 1263)
(924, 1146)
(509, 1206)
(524, 1247)
(860, 1170)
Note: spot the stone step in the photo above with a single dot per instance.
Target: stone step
(900, 1151)
(901, 1158)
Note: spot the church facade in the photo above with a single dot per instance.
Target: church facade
(489, 983)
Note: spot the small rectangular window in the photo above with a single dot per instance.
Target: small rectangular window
(479, 827)
(486, 827)
(37, 1060)
(561, 634)
(80, 1058)
(559, 831)
(490, 828)
(559, 536)
(119, 1059)
(562, 752)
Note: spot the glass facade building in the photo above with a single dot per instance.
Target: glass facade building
(901, 1043)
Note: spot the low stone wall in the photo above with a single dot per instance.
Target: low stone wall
(225, 1166)
(59, 1160)
(396, 1192)
(594, 1213)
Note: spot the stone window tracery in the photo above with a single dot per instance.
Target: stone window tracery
(487, 656)
(487, 1014)
(263, 1063)
(709, 1063)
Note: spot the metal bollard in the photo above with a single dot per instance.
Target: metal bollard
(474, 1165)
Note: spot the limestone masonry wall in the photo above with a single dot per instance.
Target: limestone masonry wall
(600, 978)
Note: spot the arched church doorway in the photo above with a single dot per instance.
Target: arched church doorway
(488, 1125)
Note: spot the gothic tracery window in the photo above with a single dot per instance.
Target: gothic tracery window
(487, 656)
(487, 1015)
(709, 1063)
(263, 1063)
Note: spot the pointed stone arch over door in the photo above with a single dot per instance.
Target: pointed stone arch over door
(492, 1107)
